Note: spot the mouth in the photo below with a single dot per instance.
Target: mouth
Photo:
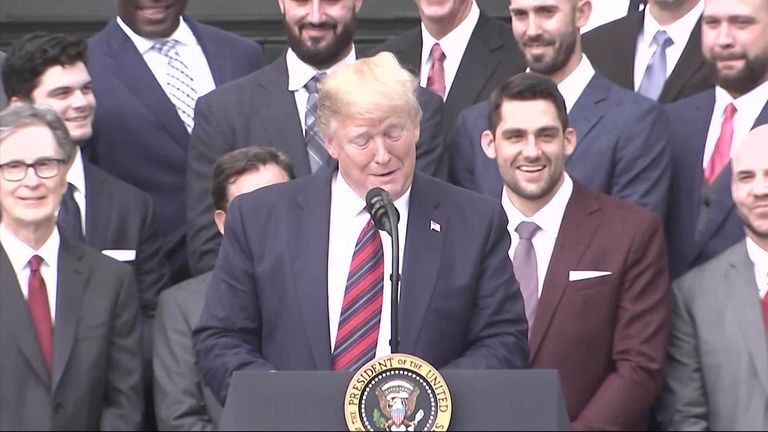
(31, 200)
(531, 169)
(154, 12)
(78, 119)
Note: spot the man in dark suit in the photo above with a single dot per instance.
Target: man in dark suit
(181, 401)
(476, 53)
(592, 268)
(3, 97)
(69, 316)
(142, 127)
(296, 288)
(707, 128)
(624, 50)
(622, 137)
(275, 107)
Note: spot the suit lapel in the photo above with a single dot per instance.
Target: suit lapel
(15, 318)
(625, 63)
(689, 64)
(741, 284)
(72, 279)
(131, 69)
(423, 249)
(218, 63)
(410, 54)
(95, 215)
(589, 108)
(308, 244)
(580, 223)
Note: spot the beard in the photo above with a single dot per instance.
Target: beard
(536, 192)
(550, 64)
(753, 73)
(322, 53)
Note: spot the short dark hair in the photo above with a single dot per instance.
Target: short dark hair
(238, 162)
(526, 86)
(29, 57)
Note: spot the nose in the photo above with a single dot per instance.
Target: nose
(724, 35)
(531, 148)
(315, 11)
(30, 178)
(79, 99)
(383, 155)
(760, 187)
(534, 25)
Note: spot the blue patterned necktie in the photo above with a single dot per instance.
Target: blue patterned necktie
(315, 147)
(179, 82)
(656, 73)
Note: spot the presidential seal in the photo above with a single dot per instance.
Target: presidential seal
(398, 392)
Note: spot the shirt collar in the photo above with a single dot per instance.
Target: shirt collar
(454, 43)
(19, 253)
(299, 73)
(679, 31)
(758, 256)
(350, 204)
(76, 173)
(183, 34)
(747, 106)
(550, 217)
(574, 84)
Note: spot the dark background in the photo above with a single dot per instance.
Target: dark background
(259, 20)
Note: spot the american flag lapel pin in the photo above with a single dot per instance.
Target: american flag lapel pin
(434, 226)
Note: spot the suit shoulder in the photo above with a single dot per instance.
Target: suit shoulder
(397, 44)
(242, 88)
(702, 276)
(683, 106)
(477, 111)
(181, 292)
(459, 196)
(620, 210)
(224, 38)
(599, 35)
(126, 191)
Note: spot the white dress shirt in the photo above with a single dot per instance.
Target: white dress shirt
(299, 74)
(76, 177)
(748, 107)
(348, 218)
(453, 45)
(189, 50)
(574, 84)
(549, 219)
(19, 253)
(605, 11)
(679, 31)
(759, 258)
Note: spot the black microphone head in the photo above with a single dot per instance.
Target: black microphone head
(376, 202)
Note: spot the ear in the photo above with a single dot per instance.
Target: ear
(220, 217)
(13, 99)
(281, 3)
(330, 146)
(358, 5)
(488, 144)
(582, 12)
(570, 141)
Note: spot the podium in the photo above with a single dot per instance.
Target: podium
(314, 400)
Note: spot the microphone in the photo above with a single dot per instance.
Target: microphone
(385, 216)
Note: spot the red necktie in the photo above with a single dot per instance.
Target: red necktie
(37, 301)
(765, 312)
(722, 154)
(361, 310)
(436, 78)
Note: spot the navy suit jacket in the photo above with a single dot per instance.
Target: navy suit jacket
(621, 147)
(722, 226)
(138, 134)
(460, 305)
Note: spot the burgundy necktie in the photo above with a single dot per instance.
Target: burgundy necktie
(37, 301)
(436, 77)
(765, 313)
(722, 154)
(361, 310)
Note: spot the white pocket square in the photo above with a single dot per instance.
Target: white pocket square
(577, 275)
(120, 254)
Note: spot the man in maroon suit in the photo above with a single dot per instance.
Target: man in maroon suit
(592, 268)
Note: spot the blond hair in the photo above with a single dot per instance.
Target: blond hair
(371, 87)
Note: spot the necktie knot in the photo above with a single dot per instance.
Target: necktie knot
(730, 111)
(166, 47)
(437, 54)
(662, 41)
(35, 262)
(526, 230)
(314, 82)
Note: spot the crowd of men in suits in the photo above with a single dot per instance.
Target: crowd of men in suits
(593, 203)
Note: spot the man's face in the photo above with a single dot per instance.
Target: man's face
(68, 90)
(547, 31)
(152, 19)
(31, 202)
(448, 11)
(734, 37)
(749, 186)
(530, 146)
(320, 32)
(375, 152)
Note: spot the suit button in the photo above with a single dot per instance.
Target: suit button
(58, 406)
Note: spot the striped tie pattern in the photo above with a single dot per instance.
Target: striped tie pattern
(361, 310)
(179, 82)
(316, 151)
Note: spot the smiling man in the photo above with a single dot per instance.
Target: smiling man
(287, 292)
(592, 268)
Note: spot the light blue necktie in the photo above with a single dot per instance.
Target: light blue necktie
(180, 84)
(656, 73)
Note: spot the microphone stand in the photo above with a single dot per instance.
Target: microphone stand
(394, 277)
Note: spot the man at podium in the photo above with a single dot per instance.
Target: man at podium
(302, 278)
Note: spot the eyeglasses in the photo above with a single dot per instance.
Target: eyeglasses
(44, 168)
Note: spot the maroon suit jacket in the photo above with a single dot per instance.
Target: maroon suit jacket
(605, 335)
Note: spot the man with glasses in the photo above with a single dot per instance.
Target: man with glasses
(69, 316)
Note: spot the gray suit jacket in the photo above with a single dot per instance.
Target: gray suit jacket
(181, 401)
(717, 364)
(3, 97)
(96, 379)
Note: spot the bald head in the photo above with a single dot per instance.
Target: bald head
(749, 185)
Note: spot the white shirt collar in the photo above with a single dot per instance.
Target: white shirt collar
(747, 106)
(76, 173)
(19, 253)
(550, 217)
(574, 84)
(759, 258)
(454, 43)
(183, 34)
(299, 73)
(679, 31)
(350, 204)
